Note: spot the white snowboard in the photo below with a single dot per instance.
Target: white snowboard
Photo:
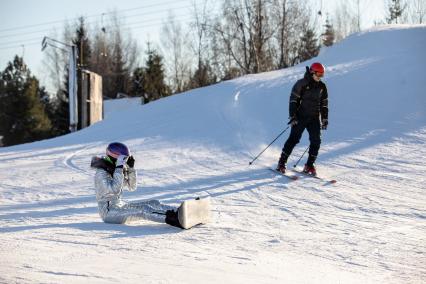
(194, 212)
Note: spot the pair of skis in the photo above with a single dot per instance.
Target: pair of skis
(296, 173)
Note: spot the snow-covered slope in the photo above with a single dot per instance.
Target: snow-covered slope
(367, 228)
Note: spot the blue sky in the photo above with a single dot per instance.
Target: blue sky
(25, 22)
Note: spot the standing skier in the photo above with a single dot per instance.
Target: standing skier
(308, 110)
(115, 171)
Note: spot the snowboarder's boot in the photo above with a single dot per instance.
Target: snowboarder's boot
(172, 218)
(310, 170)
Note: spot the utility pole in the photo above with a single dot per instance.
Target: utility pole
(71, 49)
(81, 101)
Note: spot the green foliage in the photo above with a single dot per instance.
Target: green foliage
(329, 34)
(137, 84)
(57, 110)
(22, 113)
(150, 80)
(81, 41)
(395, 11)
(119, 74)
(84, 52)
(202, 77)
(308, 45)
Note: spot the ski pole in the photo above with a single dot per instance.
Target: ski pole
(295, 165)
(269, 145)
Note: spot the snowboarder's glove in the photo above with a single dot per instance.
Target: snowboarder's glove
(121, 160)
(131, 162)
(324, 124)
(293, 121)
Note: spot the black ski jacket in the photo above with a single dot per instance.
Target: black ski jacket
(308, 98)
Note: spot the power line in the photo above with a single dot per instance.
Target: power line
(16, 46)
(90, 16)
(47, 30)
(19, 41)
(148, 23)
(153, 23)
(26, 33)
(126, 24)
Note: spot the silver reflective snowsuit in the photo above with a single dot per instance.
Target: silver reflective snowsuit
(113, 209)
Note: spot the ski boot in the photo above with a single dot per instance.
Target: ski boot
(310, 170)
(281, 168)
(281, 163)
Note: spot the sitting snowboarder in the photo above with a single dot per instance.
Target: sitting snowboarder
(115, 171)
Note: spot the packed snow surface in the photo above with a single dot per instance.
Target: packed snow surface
(369, 227)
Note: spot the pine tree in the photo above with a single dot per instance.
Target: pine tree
(22, 114)
(58, 111)
(81, 41)
(59, 115)
(395, 11)
(308, 45)
(137, 84)
(202, 77)
(115, 56)
(329, 34)
(119, 73)
(153, 78)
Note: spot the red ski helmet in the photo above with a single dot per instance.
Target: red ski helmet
(116, 149)
(317, 68)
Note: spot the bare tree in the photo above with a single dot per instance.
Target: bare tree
(416, 10)
(199, 26)
(245, 30)
(345, 20)
(287, 17)
(263, 32)
(115, 55)
(221, 60)
(55, 60)
(175, 45)
(358, 15)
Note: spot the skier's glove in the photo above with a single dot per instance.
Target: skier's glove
(293, 121)
(131, 162)
(121, 161)
(324, 124)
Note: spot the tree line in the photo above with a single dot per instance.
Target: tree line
(241, 37)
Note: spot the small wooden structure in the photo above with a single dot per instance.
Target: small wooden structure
(91, 101)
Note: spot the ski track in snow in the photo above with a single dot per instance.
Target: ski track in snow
(353, 225)
(369, 227)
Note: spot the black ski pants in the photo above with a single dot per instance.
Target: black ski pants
(313, 125)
